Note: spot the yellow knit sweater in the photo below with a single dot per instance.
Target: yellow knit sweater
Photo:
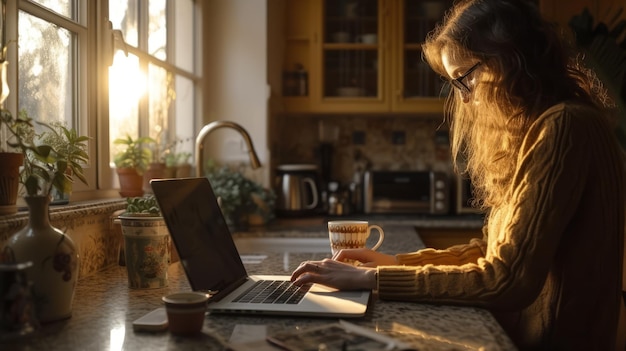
(550, 263)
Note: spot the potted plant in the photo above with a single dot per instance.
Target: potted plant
(52, 158)
(241, 199)
(170, 165)
(11, 160)
(146, 243)
(66, 142)
(183, 166)
(131, 161)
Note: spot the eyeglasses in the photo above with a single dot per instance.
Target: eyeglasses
(458, 82)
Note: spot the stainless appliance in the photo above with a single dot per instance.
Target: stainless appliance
(463, 196)
(296, 189)
(418, 192)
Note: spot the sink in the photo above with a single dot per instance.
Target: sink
(282, 245)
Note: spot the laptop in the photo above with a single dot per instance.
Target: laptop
(212, 263)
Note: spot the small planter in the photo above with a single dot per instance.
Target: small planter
(9, 181)
(131, 182)
(146, 249)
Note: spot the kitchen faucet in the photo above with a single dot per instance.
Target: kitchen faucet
(254, 159)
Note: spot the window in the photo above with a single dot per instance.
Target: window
(52, 58)
(65, 54)
(154, 78)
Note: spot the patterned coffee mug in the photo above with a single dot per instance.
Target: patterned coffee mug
(352, 235)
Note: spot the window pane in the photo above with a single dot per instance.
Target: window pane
(184, 115)
(160, 96)
(126, 86)
(46, 70)
(157, 30)
(123, 15)
(184, 33)
(63, 7)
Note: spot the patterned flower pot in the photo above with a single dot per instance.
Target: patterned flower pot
(146, 250)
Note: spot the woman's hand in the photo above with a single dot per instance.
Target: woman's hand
(338, 275)
(366, 257)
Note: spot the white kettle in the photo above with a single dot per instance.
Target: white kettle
(296, 189)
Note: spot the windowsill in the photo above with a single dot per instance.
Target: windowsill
(89, 223)
(13, 222)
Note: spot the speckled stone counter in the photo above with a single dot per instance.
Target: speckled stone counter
(105, 307)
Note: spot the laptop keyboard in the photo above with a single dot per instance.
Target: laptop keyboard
(273, 291)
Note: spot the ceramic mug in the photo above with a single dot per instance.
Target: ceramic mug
(368, 38)
(351, 234)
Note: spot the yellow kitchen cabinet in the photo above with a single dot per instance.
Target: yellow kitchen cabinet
(360, 56)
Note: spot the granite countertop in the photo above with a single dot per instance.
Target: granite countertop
(104, 308)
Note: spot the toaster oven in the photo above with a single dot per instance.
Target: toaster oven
(418, 192)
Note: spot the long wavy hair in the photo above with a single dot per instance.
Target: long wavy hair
(528, 65)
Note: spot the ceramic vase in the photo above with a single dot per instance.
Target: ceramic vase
(54, 257)
(146, 250)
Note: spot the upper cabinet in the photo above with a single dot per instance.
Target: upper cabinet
(360, 56)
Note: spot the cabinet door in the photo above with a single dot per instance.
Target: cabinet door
(349, 57)
(416, 87)
(295, 54)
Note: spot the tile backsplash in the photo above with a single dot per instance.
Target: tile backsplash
(363, 142)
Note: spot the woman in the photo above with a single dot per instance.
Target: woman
(531, 125)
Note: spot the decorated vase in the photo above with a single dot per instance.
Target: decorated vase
(54, 257)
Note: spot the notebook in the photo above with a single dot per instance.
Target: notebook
(212, 263)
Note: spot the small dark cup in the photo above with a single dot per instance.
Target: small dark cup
(185, 312)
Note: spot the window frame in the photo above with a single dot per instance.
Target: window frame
(94, 54)
(145, 60)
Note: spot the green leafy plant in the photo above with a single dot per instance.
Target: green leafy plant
(134, 153)
(52, 157)
(146, 205)
(240, 195)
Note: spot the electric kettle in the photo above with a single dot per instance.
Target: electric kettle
(296, 189)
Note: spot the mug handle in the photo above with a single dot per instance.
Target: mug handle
(311, 184)
(381, 235)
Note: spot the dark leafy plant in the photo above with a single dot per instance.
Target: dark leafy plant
(143, 205)
(52, 158)
(239, 195)
(605, 49)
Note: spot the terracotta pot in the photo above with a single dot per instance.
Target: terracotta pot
(9, 181)
(131, 182)
(54, 257)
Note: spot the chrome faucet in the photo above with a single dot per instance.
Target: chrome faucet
(254, 159)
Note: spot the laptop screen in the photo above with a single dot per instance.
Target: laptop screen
(199, 231)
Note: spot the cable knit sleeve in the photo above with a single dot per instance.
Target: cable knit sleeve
(455, 255)
(509, 267)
